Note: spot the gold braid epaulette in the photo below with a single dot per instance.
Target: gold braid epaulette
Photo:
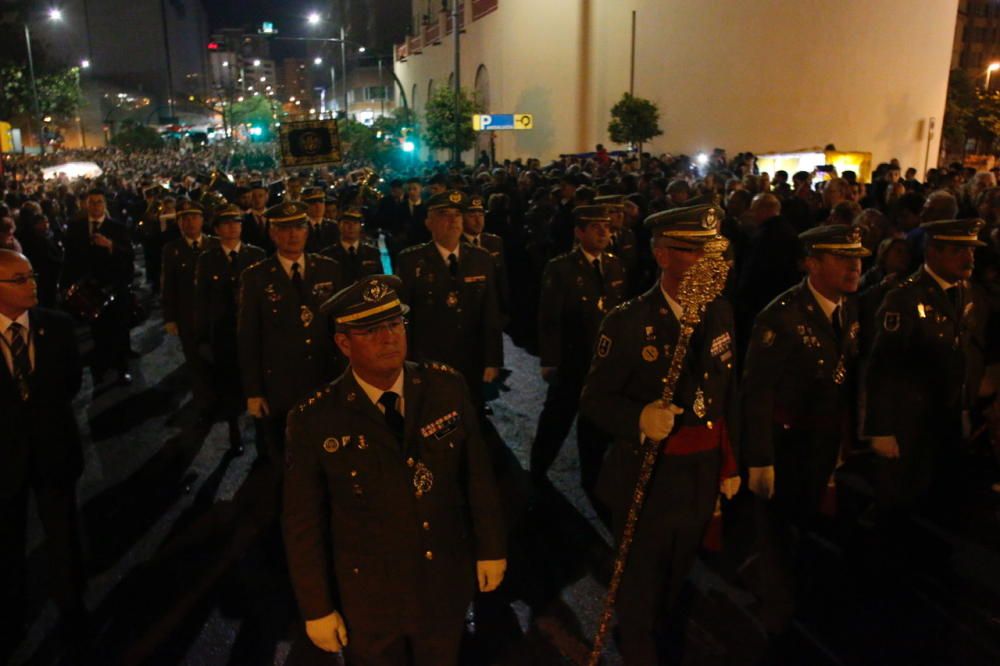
(312, 400)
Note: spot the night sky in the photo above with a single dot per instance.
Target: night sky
(391, 17)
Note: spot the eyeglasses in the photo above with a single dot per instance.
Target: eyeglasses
(394, 327)
(22, 279)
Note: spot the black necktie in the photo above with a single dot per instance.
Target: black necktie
(952, 293)
(393, 418)
(232, 256)
(835, 320)
(194, 245)
(597, 271)
(20, 359)
(296, 278)
(614, 243)
(453, 264)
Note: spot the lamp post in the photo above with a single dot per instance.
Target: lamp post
(84, 64)
(54, 15)
(994, 66)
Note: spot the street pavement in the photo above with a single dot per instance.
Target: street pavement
(186, 566)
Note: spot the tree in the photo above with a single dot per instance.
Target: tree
(439, 119)
(58, 92)
(959, 111)
(134, 136)
(634, 121)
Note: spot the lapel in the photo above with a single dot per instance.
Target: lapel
(936, 297)
(413, 397)
(667, 327)
(363, 408)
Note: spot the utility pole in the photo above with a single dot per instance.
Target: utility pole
(457, 150)
(34, 92)
(170, 71)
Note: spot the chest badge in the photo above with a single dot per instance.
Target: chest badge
(272, 293)
(452, 300)
(699, 404)
(650, 353)
(306, 315)
(423, 479)
(331, 444)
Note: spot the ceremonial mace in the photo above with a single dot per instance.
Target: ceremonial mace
(700, 286)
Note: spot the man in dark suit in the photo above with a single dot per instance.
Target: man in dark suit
(799, 405)
(100, 249)
(451, 289)
(578, 289)
(622, 243)
(180, 261)
(217, 288)
(40, 448)
(357, 259)
(255, 229)
(623, 394)
(323, 232)
(391, 511)
(286, 350)
(414, 214)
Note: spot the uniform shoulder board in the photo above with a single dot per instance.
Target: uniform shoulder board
(254, 265)
(321, 258)
(314, 399)
(441, 367)
(411, 250)
(615, 259)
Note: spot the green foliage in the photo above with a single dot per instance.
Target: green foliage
(359, 142)
(439, 117)
(392, 125)
(257, 110)
(58, 92)
(634, 120)
(958, 109)
(137, 137)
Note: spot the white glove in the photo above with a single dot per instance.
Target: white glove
(886, 446)
(761, 481)
(657, 420)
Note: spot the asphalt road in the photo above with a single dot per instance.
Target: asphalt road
(185, 566)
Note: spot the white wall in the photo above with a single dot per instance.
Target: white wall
(756, 75)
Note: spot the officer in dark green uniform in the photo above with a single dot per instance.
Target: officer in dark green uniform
(799, 403)
(578, 289)
(286, 349)
(451, 289)
(697, 434)
(391, 511)
(473, 222)
(180, 259)
(926, 366)
(217, 288)
(357, 258)
(323, 232)
(622, 243)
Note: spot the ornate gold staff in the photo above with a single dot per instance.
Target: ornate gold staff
(700, 286)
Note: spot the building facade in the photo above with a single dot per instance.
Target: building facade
(770, 75)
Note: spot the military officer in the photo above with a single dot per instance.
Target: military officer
(255, 231)
(926, 366)
(578, 289)
(216, 292)
(356, 258)
(451, 289)
(285, 349)
(473, 221)
(391, 509)
(623, 396)
(180, 260)
(622, 243)
(323, 232)
(799, 397)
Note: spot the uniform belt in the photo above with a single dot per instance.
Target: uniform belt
(688, 440)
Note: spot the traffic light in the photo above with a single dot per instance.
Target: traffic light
(213, 46)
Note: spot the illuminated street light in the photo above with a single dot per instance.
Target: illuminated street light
(314, 18)
(55, 14)
(702, 159)
(317, 61)
(994, 66)
(361, 49)
(225, 63)
(256, 63)
(84, 64)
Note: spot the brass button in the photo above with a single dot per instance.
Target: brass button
(354, 473)
(429, 555)
(426, 525)
(409, 462)
(309, 341)
(357, 570)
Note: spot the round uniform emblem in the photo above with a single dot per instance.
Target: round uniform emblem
(650, 353)
(854, 235)
(331, 444)
(374, 292)
(455, 197)
(710, 219)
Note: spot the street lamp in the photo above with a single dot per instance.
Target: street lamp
(84, 64)
(994, 66)
(317, 61)
(343, 56)
(54, 15)
(314, 18)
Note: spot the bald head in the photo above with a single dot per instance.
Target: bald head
(765, 206)
(10, 258)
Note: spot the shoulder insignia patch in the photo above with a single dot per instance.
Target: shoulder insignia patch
(891, 322)
(441, 367)
(603, 346)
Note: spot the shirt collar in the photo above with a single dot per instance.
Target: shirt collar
(200, 240)
(236, 248)
(825, 304)
(675, 307)
(472, 238)
(944, 284)
(444, 253)
(374, 393)
(287, 264)
(348, 246)
(23, 320)
(315, 223)
(590, 257)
